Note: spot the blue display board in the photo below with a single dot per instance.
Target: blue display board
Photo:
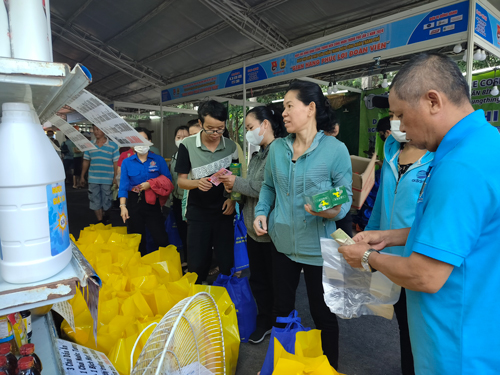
(487, 26)
(423, 27)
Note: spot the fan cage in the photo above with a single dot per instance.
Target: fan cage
(188, 339)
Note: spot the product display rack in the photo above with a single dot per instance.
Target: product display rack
(58, 288)
(48, 86)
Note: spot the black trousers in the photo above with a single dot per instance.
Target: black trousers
(203, 236)
(181, 227)
(401, 312)
(260, 256)
(345, 224)
(144, 215)
(286, 274)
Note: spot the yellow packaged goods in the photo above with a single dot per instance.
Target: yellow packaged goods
(308, 358)
(136, 292)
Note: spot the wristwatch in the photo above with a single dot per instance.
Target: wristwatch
(364, 260)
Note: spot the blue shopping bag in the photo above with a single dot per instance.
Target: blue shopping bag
(241, 295)
(240, 244)
(173, 233)
(286, 337)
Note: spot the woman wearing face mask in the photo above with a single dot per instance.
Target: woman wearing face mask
(305, 163)
(263, 124)
(403, 173)
(145, 184)
(180, 133)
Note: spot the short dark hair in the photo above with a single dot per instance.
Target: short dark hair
(182, 127)
(431, 71)
(384, 124)
(271, 113)
(213, 109)
(308, 92)
(144, 130)
(192, 122)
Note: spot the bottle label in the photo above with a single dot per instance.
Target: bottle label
(58, 218)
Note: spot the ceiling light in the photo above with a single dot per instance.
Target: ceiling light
(278, 100)
(384, 82)
(465, 56)
(494, 91)
(332, 87)
(477, 55)
(457, 48)
(483, 55)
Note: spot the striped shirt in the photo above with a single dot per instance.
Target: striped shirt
(101, 169)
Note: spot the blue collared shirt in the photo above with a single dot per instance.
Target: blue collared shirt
(457, 221)
(134, 172)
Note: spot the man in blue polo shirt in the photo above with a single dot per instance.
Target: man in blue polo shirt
(451, 261)
(102, 172)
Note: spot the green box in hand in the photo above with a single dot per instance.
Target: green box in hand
(329, 199)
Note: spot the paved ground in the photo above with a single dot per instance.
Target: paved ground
(368, 345)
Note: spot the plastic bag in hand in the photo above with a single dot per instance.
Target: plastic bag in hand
(352, 292)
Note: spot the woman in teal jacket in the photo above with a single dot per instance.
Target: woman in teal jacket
(305, 163)
(403, 173)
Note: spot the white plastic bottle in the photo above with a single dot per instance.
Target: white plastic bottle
(34, 232)
(29, 34)
(4, 32)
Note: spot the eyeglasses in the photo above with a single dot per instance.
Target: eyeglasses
(218, 131)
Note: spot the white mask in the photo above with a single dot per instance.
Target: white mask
(396, 133)
(141, 150)
(253, 136)
(178, 142)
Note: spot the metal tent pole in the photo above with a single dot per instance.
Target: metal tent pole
(244, 109)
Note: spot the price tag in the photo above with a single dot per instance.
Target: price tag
(77, 360)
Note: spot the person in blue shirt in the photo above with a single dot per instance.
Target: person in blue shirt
(403, 173)
(450, 263)
(305, 163)
(135, 173)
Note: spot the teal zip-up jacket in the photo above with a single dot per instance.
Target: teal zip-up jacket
(397, 200)
(325, 165)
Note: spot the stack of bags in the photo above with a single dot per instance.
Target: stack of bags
(136, 292)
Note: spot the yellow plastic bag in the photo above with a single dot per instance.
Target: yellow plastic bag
(308, 358)
(229, 322)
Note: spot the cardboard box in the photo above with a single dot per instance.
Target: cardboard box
(363, 179)
(328, 199)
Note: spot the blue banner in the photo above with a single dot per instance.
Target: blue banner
(438, 23)
(487, 26)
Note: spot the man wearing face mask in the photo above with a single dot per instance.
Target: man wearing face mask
(403, 173)
(145, 185)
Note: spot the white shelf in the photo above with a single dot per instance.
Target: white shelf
(58, 288)
(47, 85)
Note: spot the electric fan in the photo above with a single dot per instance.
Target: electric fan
(188, 340)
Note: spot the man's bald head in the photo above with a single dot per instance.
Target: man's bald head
(431, 71)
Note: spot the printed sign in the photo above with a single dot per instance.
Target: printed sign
(107, 120)
(481, 97)
(80, 141)
(58, 218)
(438, 23)
(77, 360)
(487, 26)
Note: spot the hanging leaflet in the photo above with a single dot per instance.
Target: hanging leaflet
(102, 116)
(77, 359)
(66, 311)
(80, 141)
